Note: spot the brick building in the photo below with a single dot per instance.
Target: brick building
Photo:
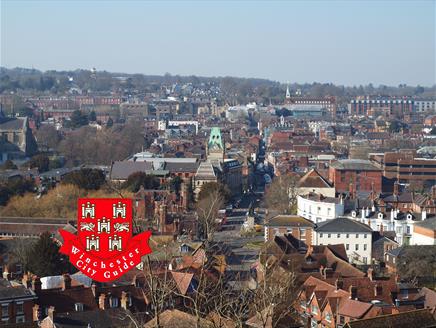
(352, 175)
(405, 167)
(16, 303)
(294, 225)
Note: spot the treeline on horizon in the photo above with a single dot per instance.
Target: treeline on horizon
(230, 89)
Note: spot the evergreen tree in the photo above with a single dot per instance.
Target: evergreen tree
(44, 258)
(138, 179)
(89, 179)
(109, 122)
(41, 162)
(92, 116)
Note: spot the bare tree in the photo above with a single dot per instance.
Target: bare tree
(282, 194)
(274, 296)
(207, 210)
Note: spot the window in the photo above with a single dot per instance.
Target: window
(347, 247)
(329, 235)
(113, 302)
(320, 235)
(319, 210)
(357, 235)
(339, 235)
(303, 304)
(20, 319)
(365, 235)
(356, 247)
(347, 235)
(5, 310)
(328, 317)
(302, 233)
(314, 309)
(364, 247)
(365, 260)
(19, 307)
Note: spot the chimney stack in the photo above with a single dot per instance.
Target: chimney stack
(378, 290)
(102, 302)
(353, 292)
(424, 214)
(36, 284)
(94, 289)
(370, 273)
(339, 283)
(51, 313)
(6, 274)
(26, 281)
(36, 313)
(66, 282)
(162, 217)
(124, 300)
(396, 189)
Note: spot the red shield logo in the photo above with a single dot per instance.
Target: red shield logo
(104, 248)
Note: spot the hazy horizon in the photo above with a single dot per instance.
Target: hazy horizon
(345, 43)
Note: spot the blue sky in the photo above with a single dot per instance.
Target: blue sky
(344, 42)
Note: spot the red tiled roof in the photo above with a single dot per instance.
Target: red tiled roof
(354, 309)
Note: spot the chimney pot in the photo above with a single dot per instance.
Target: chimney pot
(66, 283)
(51, 313)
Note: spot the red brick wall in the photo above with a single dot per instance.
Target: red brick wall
(295, 233)
(362, 181)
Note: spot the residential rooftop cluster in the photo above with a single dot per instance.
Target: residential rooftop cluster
(270, 205)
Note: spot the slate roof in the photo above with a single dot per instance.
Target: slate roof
(342, 225)
(8, 292)
(427, 223)
(289, 221)
(31, 226)
(181, 167)
(121, 170)
(417, 318)
(405, 197)
(109, 318)
(13, 124)
(355, 164)
(205, 171)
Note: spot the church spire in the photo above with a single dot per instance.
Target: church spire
(288, 94)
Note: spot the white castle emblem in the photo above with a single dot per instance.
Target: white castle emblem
(115, 243)
(103, 225)
(88, 211)
(92, 243)
(119, 210)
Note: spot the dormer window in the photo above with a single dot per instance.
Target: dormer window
(78, 307)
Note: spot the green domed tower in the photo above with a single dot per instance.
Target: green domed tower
(215, 146)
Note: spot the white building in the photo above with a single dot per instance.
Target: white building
(356, 237)
(424, 232)
(396, 221)
(317, 208)
(425, 106)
